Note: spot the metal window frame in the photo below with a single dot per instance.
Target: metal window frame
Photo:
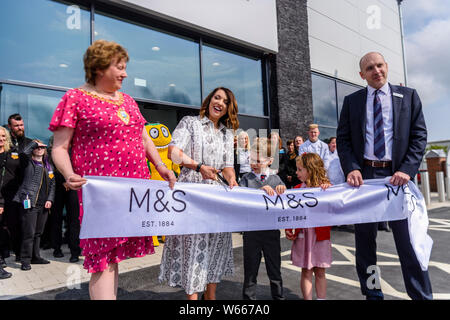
(335, 81)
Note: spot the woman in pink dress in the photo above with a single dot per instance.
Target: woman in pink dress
(105, 130)
(311, 249)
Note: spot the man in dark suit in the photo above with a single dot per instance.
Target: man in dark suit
(382, 133)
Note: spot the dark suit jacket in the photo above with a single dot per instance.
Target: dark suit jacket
(409, 137)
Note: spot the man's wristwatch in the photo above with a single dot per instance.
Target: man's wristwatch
(199, 166)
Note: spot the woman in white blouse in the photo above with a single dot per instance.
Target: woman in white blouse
(203, 145)
(242, 154)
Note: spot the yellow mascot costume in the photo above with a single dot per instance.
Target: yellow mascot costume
(161, 137)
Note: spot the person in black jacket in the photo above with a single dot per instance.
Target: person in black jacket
(17, 131)
(8, 163)
(35, 194)
(64, 198)
(289, 175)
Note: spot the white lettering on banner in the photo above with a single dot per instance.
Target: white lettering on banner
(124, 207)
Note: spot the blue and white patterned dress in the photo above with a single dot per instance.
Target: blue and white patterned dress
(193, 261)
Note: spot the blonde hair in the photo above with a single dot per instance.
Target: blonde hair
(313, 126)
(7, 145)
(99, 56)
(243, 133)
(315, 168)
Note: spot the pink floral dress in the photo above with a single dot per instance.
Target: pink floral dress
(107, 141)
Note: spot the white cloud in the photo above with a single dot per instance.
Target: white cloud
(428, 53)
(418, 13)
(427, 34)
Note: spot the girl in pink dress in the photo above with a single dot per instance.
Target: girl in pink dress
(105, 130)
(311, 249)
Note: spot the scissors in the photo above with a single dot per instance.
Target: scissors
(222, 181)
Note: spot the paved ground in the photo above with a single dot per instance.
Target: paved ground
(62, 280)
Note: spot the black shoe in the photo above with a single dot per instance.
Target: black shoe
(5, 274)
(2, 263)
(74, 259)
(39, 261)
(25, 266)
(57, 253)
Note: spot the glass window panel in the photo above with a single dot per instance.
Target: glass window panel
(240, 74)
(246, 123)
(324, 100)
(43, 42)
(326, 133)
(162, 67)
(36, 106)
(159, 114)
(343, 90)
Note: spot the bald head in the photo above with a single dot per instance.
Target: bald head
(368, 55)
(373, 69)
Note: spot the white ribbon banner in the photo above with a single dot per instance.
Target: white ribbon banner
(124, 207)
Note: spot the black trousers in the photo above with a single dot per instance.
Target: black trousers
(12, 220)
(268, 243)
(54, 228)
(4, 237)
(417, 282)
(73, 221)
(33, 223)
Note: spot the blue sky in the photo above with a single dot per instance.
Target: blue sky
(427, 41)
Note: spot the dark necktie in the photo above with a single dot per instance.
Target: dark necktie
(263, 177)
(378, 128)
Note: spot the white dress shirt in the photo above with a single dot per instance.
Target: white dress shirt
(388, 122)
(319, 147)
(266, 171)
(244, 160)
(335, 173)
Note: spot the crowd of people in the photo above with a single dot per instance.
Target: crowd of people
(99, 130)
(32, 201)
(284, 163)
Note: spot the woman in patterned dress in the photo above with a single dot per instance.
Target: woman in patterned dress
(105, 130)
(203, 145)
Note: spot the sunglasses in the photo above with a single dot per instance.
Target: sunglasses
(40, 147)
